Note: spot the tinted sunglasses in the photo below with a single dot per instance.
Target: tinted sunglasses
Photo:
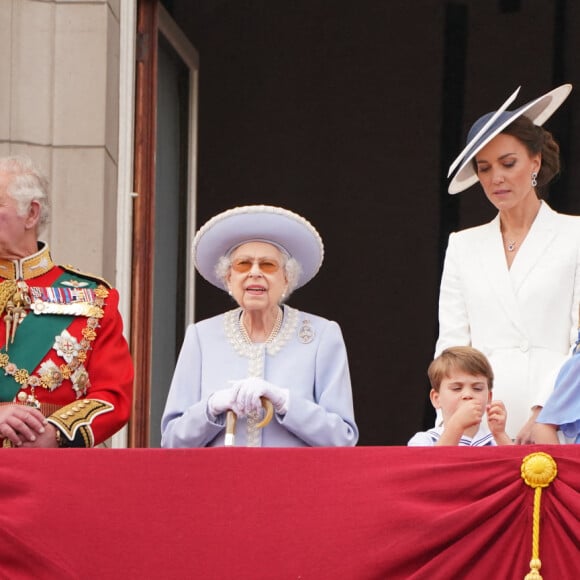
(266, 265)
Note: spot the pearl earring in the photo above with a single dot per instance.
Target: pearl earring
(534, 180)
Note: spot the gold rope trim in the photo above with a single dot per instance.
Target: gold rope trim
(538, 470)
(7, 290)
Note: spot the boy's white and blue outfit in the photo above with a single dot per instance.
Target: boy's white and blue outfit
(483, 438)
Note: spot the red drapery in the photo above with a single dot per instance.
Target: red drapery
(363, 513)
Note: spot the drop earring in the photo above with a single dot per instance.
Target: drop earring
(534, 180)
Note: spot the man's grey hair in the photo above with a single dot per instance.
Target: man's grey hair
(27, 184)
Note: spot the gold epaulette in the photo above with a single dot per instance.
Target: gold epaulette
(78, 272)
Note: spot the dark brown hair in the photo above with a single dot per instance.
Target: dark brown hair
(536, 140)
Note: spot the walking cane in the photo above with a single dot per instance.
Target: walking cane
(231, 419)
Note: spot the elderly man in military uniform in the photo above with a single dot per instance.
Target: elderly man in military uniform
(66, 373)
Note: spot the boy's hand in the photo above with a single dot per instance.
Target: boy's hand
(469, 413)
(496, 419)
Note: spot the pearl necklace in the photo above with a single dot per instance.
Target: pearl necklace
(273, 333)
(252, 350)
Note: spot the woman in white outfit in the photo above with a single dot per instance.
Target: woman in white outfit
(511, 287)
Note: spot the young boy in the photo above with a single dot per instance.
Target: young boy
(562, 409)
(461, 384)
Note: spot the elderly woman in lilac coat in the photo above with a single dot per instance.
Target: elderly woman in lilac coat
(263, 348)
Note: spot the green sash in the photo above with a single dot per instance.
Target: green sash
(35, 336)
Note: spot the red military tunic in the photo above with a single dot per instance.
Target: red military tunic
(80, 375)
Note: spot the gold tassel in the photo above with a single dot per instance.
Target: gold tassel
(14, 300)
(538, 470)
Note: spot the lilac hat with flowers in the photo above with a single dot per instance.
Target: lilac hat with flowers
(285, 229)
(491, 124)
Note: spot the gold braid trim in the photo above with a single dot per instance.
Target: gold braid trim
(74, 421)
(94, 277)
(7, 290)
(538, 470)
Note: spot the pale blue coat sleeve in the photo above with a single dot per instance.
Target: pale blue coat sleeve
(185, 421)
(325, 419)
(563, 406)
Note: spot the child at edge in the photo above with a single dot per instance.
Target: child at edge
(562, 410)
(461, 386)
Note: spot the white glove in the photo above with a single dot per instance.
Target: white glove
(223, 400)
(250, 391)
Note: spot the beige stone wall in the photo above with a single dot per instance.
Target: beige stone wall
(59, 86)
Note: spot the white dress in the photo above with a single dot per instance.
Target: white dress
(524, 318)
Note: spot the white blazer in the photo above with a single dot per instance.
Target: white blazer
(524, 319)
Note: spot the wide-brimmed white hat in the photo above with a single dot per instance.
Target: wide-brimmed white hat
(257, 223)
(487, 127)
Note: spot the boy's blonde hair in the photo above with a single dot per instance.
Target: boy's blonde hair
(465, 358)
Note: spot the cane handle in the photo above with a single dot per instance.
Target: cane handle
(269, 408)
(231, 420)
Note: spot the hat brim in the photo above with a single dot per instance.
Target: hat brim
(278, 226)
(538, 111)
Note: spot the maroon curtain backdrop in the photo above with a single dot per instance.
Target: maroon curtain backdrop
(361, 513)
